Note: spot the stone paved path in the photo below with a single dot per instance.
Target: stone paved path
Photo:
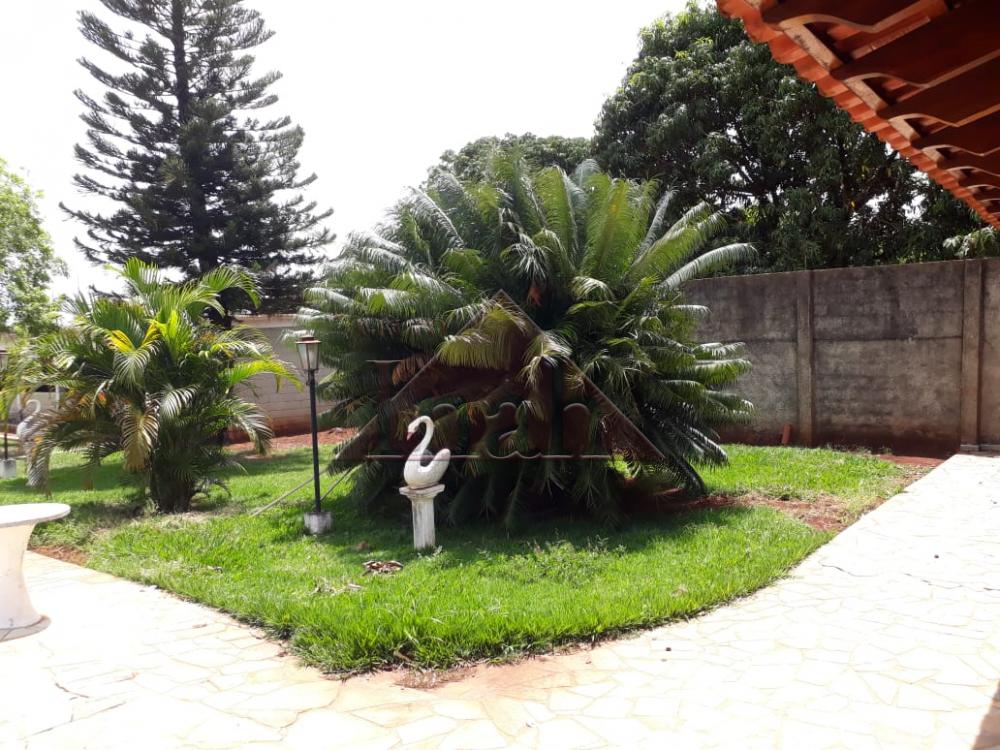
(887, 637)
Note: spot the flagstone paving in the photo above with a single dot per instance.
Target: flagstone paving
(889, 636)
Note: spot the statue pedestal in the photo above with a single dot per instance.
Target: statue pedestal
(422, 501)
(8, 468)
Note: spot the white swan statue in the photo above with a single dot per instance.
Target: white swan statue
(25, 424)
(417, 474)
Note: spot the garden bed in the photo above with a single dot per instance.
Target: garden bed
(484, 594)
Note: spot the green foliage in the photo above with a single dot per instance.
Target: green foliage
(472, 161)
(147, 374)
(27, 261)
(714, 113)
(199, 183)
(488, 593)
(593, 262)
(982, 243)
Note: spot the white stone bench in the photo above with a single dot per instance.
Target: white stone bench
(17, 615)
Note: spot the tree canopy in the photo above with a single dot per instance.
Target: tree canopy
(714, 115)
(200, 178)
(473, 160)
(27, 260)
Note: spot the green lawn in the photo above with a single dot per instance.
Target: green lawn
(858, 480)
(484, 594)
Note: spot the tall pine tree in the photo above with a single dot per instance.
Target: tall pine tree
(200, 181)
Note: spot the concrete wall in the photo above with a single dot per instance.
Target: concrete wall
(288, 407)
(900, 357)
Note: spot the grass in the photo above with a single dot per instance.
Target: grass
(484, 594)
(856, 480)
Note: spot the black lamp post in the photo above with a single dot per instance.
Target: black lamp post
(309, 359)
(6, 416)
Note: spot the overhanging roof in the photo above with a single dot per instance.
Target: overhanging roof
(922, 75)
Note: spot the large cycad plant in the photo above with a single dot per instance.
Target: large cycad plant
(149, 375)
(593, 262)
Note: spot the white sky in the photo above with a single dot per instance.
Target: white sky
(381, 87)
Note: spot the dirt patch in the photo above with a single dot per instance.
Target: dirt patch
(66, 554)
(824, 513)
(428, 679)
(914, 468)
(920, 461)
(304, 440)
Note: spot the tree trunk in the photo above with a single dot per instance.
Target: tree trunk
(168, 496)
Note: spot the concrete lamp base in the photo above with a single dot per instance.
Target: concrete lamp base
(8, 468)
(422, 500)
(318, 523)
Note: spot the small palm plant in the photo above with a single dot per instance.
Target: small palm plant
(149, 375)
(594, 263)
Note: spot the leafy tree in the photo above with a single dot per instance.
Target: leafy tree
(716, 114)
(27, 261)
(148, 375)
(593, 262)
(472, 161)
(200, 180)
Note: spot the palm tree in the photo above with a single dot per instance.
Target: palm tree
(148, 375)
(594, 264)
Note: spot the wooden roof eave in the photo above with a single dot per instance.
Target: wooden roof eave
(886, 72)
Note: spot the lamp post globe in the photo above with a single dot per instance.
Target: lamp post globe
(308, 348)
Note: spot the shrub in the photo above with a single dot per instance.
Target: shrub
(149, 375)
(590, 259)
